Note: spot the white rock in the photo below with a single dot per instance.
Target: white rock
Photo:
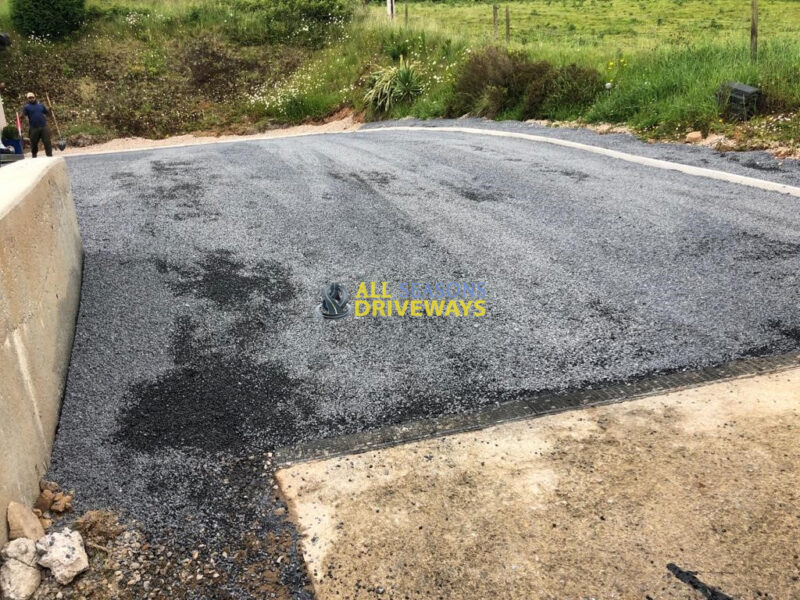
(19, 575)
(22, 523)
(21, 549)
(694, 137)
(63, 554)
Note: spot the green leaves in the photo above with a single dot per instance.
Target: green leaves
(393, 85)
(495, 82)
(51, 19)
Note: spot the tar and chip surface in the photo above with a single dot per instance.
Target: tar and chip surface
(197, 345)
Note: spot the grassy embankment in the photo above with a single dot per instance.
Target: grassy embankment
(665, 58)
(154, 68)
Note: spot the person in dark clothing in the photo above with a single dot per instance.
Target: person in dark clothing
(37, 122)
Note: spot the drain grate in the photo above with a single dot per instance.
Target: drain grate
(536, 405)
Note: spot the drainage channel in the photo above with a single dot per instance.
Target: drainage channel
(536, 405)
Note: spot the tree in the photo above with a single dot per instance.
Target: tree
(47, 18)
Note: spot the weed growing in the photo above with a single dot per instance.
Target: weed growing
(497, 82)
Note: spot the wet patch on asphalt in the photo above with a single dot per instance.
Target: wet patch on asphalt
(369, 181)
(173, 167)
(574, 175)
(216, 400)
(215, 403)
(228, 283)
(791, 333)
(213, 410)
(180, 186)
(477, 194)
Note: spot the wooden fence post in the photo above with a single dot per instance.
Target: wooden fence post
(406, 14)
(508, 24)
(495, 8)
(390, 8)
(754, 32)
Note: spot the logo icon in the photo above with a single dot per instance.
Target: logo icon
(334, 302)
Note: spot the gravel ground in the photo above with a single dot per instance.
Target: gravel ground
(756, 163)
(346, 123)
(559, 507)
(197, 351)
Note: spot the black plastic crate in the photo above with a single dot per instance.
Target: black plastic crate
(737, 100)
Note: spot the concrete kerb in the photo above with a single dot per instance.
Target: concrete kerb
(41, 257)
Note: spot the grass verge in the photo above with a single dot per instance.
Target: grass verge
(142, 67)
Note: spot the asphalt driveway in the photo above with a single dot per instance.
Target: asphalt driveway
(197, 348)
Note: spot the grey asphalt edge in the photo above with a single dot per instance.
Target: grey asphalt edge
(537, 405)
(657, 163)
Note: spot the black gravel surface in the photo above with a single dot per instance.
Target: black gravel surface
(756, 163)
(198, 351)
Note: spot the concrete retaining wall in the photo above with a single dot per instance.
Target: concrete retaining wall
(41, 255)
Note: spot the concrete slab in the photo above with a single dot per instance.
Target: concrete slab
(675, 496)
(40, 279)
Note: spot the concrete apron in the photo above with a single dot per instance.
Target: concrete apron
(682, 495)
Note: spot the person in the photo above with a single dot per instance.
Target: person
(37, 123)
(3, 122)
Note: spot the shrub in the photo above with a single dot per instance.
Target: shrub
(490, 68)
(393, 85)
(48, 18)
(492, 101)
(561, 93)
(305, 22)
(539, 87)
(495, 81)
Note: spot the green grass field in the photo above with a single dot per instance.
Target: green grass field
(664, 58)
(602, 28)
(158, 67)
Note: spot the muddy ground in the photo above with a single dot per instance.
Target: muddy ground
(692, 495)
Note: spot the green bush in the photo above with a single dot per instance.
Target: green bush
(488, 81)
(495, 81)
(392, 85)
(48, 18)
(561, 93)
(303, 22)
